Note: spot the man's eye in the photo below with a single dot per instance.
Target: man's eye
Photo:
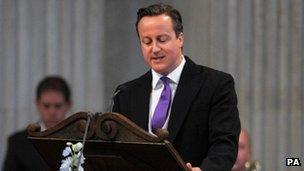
(146, 41)
(46, 106)
(58, 106)
(163, 39)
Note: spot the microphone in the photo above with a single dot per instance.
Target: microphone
(118, 90)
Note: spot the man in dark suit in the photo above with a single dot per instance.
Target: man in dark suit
(53, 100)
(196, 104)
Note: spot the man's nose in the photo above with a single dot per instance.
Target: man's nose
(155, 48)
(52, 110)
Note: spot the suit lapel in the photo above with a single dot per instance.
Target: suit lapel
(141, 101)
(188, 86)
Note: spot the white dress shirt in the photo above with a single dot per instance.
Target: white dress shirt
(157, 88)
(42, 126)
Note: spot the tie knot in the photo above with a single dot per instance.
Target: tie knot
(165, 80)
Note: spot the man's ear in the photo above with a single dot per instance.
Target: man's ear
(181, 39)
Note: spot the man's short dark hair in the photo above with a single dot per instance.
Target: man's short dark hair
(54, 83)
(159, 9)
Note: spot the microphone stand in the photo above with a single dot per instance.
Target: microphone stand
(84, 138)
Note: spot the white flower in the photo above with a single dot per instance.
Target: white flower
(82, 158)
(69, 144)
(65, 164)
(80, 168)
(76, 159)
(77, 147)
(66, 151)
(72, 157)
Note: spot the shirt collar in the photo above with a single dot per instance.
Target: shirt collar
(174, 76)
(42, 126)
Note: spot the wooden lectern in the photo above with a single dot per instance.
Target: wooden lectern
(113, 143)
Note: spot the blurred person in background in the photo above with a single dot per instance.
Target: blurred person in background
(243, 161)
(53, 100)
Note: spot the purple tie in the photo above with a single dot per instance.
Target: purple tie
(162, 108)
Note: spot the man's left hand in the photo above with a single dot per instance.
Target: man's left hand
(190, 168)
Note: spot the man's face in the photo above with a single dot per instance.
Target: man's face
(161, 48)
(244, 152)
(52, 107)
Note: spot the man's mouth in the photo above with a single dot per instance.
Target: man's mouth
(157, 58)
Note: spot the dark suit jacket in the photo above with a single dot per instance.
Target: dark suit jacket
(204, 124)
(21, 155)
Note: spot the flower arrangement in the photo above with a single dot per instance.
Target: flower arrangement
(73, 157)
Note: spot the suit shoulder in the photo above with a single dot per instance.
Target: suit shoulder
(210, 73)
(214, 71)
(18, 136)
(129, 83)
(135, 82)
(216, 74)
